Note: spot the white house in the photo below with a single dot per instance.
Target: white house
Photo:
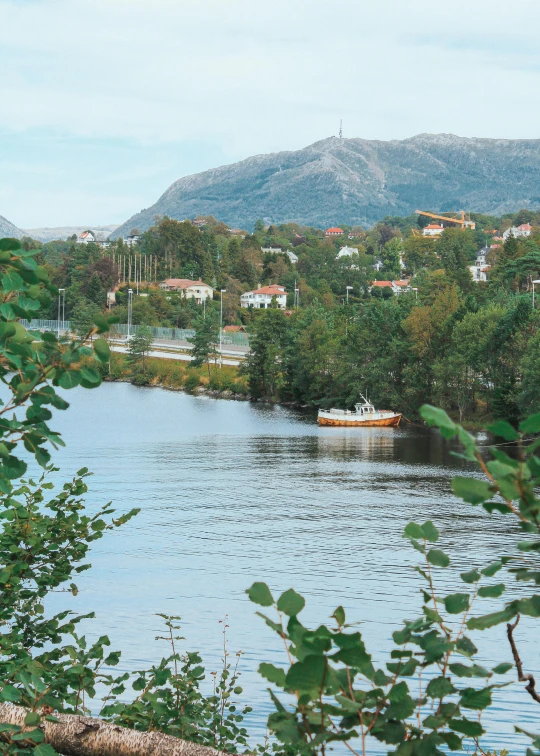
(196, 290)
(280, 251)
(347, 251)
(517, 231)
(131, 240)
(397, 287)
(261, 299)
(434, 229)
(86, 237)
(480, 268)
(335, 231)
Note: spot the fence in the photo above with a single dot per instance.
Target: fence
(121, 329)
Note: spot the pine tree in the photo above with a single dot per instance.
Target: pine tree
(205, 340)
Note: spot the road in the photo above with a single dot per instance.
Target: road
(172, 353)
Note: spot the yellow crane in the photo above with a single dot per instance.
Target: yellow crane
(459, 218)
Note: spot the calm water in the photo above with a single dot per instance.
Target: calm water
(231, 493)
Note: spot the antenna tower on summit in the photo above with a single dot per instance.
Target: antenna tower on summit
(341, 129)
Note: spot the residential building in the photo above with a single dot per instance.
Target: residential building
(518, 231)
(481, 267)
(196, 290)
(334, 231)
(235, 329)
(347, 252)
(280, 251)
(434, 229)
(86, 237)
(261, 298)
(132, 240)
(397, 287)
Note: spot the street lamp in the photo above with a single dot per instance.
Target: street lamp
(535, 282)
(130, 310)
(416, 292)
(222, 291)
(348, 288)
(61, 294)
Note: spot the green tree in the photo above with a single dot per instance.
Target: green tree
(457, 250)
(140, 344)
(206, 340)
(95, 291)
(264, 364)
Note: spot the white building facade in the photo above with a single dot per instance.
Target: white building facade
(197, 290)
(261, 299)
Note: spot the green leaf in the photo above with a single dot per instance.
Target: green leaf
(492, 591)
(260, 594)
(504, 430)
(531, 424)
(44, 749)
(70, 379)
(90, 377)
(11, 281)
(470, 577)
(456, 603)
(491, 569)
(412, 530)
(476, 699)
(471, 490)
(465, 726)
(307, 675)
(453, 742)
(101, 348)
(439, 687)
(291, 603)
(273, 674)
(438, 417)
(32, 719)
(466, 647)
(438, 558)
(475, 670)
(502, 669)
(430, 531)
(10, 693)
(490, 620)
(339, 616)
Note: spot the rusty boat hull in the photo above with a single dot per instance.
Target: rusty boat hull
(353, 420)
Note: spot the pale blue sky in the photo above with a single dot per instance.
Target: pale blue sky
(106, 102)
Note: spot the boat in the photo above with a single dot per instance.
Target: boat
(364, 415)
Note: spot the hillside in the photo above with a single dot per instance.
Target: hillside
(358, 181)
(7, 229)
(63, 232)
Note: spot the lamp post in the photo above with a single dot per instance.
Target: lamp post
(130, 310)
(61, 295)
(348, 289)
(535, 282)
(415, 292)
(222, 291)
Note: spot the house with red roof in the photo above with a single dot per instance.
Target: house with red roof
(434, 229)
(517, 231)
(397, 287)
(261, 298)
(86, 237)
(197, 290)
(334, 232)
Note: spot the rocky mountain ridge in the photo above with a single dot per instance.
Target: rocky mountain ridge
(358, 181)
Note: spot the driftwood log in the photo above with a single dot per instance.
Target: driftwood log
(74, 735)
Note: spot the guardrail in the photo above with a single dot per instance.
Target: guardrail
(121, 329)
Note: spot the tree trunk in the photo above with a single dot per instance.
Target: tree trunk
(74, 735)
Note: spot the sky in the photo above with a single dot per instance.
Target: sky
(104, 103)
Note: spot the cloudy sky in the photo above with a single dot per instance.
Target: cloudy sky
(104, 103)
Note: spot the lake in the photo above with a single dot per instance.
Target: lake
(233, 492)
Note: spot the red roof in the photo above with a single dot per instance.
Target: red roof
(382, 283)
(525, 227)
(273, 290)
(234, 329)
(433, 225)
(334, 231)
(401, 283)
(183, 283)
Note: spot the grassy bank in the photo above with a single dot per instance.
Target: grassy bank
(175, 374)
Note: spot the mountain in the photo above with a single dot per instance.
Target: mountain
(63, 232)
(7, 229)
(359, 181)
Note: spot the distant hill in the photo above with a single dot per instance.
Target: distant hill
(63, 232)
(7, 229)
(359, 181)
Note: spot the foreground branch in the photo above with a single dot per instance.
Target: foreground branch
(529, 679)
(74, 735)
